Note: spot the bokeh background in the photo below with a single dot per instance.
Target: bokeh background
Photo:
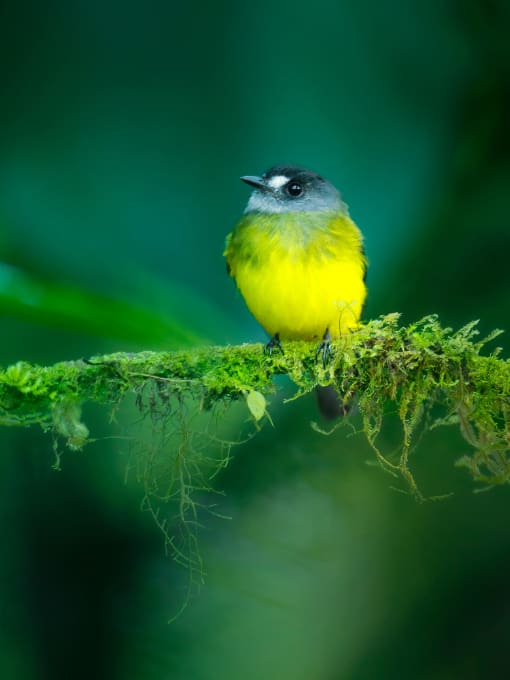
(124, 129)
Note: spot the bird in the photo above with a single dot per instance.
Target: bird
(299, 261)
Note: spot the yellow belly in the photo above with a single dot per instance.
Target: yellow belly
(303, 300)
(300, 287)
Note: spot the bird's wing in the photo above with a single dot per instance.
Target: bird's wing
(228, 255)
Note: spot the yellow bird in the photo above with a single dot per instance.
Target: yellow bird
(298, 260)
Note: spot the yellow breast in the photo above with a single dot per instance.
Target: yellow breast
(299, 273)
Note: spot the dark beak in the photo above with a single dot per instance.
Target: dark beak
(254, 181)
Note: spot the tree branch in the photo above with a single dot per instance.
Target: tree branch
(415, 367)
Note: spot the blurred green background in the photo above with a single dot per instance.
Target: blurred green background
(124, 129)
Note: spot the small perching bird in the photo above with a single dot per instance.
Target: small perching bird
(298, 260)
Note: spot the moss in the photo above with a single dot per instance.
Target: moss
(66, 418)
(429, 376)
(415, 367)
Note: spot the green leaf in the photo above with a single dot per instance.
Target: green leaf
(56, 304)
(256, 402)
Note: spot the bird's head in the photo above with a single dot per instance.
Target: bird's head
(289, 188)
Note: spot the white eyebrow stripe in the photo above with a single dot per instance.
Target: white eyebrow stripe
(277, 181)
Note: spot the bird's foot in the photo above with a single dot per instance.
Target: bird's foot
(324, 349)
(273, 344)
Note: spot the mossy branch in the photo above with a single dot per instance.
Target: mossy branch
(416, 367)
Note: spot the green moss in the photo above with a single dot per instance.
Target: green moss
(66, 417)
(416, 368)
(429, 376)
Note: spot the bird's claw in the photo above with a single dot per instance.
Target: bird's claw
(325, 350)
(273, 344)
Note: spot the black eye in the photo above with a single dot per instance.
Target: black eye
(294, 189)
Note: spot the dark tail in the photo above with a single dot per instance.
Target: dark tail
(330, 402)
